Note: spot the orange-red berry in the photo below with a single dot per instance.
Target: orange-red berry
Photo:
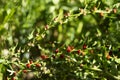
(84, 46)
(25, 71)
(57, 50)
(13, 78)
(69, 49)
(30, 61)
(14, 74)
(44, 57)
(28, 65)
(78, 51)
(37, 65)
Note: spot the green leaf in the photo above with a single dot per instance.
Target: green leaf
(31, 35)
(2, 60)
(10, 14)
(117, 61)
(80, 26)
(99, 32)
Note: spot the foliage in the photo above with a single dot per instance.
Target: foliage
(60, 39)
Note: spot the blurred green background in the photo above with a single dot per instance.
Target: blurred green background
(18, 18)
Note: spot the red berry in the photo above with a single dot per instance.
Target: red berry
(84, 46)
(28, 65)
(14, 74)
(30, 61)
(25, 71)
(69, 49)
(13, 78)
(62, 56)
(78, 51)
(44, 57)
(37, 65)
(57, 50)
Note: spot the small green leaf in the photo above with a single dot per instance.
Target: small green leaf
(117, 61)
(2, 60)
(80, 26)
(99, 32)
(31, 35)
(10, 14)
(95, 43)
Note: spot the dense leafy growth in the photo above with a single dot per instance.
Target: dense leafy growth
(59, 39)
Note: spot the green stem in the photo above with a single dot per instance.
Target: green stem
(112, 76)
(104, 72)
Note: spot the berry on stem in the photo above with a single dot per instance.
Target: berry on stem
(44, 57)
(38, 65)
(57, 50)
(28, 65)
(13, 78)
(84, 46)
(30, 61)
(25, 71)
(78, 51)
(69, 49)
(14, 74)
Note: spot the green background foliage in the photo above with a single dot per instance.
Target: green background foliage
(30, 28)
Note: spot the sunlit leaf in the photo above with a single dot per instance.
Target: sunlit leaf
(79, 28)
